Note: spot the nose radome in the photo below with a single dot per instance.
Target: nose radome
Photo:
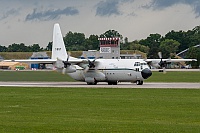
(146, 73)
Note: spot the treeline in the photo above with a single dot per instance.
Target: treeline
(21, 48)
(170, 44)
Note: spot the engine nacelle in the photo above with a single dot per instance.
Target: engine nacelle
(98, 76)
(70, 69)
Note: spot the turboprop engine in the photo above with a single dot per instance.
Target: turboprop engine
(69, 69)
(65, 66)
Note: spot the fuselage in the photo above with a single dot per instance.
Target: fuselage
(113, 70)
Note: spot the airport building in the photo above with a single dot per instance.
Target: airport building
(109, 49)
(39, 55)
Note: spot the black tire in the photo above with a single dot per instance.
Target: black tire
(112, 83)
(95, 83)
(109, 83)
(88, 83)
(139, 82)
(115, 83)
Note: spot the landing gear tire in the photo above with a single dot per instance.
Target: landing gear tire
(109, 83)
(88, 83)
(139, 82)
(115, 83)
(112, 83)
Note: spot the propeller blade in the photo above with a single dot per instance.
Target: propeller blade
(66, 63)
(86, 69)
(160, 55)
(63, 70)
(67, 57)
(164, 70)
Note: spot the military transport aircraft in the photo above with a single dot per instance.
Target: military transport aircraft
(93, 71)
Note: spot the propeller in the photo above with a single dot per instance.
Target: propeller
(162, 63)
(91, 64)
(66, 64)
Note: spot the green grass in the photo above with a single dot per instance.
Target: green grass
(99, 110)
(185, 76)
(33, 76)
(55, 76)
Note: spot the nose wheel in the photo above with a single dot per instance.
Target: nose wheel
(139, 82)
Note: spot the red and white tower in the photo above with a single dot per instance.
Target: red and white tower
(110, 47)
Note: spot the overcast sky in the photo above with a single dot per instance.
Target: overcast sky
(31, 21)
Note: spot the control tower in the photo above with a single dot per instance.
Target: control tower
(110, 48)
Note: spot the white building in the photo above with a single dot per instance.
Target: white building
(109, 49)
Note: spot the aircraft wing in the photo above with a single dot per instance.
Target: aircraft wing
(32, 61)
(169, 60)
(91, 63)
(178, 60)
(73, 61)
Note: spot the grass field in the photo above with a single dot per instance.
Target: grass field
(33, 76)
(99, 110)
(184, 76)
(55, 76)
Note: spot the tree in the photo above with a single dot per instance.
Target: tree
(125, 45)
(111, 34)
(181, 36)
(35, 48)
(92, 43)
(153, 42)
(168, 46)
(126, 40)
(194, 53)
(3, 48)
(74, 41)
(194, 36)
(49, 46)
(17, 47)
(136, 46)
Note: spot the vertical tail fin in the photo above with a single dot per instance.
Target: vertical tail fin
(58, 46)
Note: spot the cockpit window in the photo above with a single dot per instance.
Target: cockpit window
(144, 64)
(137, 64)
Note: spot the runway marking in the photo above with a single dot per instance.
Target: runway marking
(102, 85)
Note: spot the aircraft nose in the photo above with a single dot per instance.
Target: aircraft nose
(146, 73)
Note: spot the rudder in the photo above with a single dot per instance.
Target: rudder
(58, 46)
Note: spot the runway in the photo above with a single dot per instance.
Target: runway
(102, 85)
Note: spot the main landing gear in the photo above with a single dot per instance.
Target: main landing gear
(112, 83)
(139, 82)
(92, 83)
